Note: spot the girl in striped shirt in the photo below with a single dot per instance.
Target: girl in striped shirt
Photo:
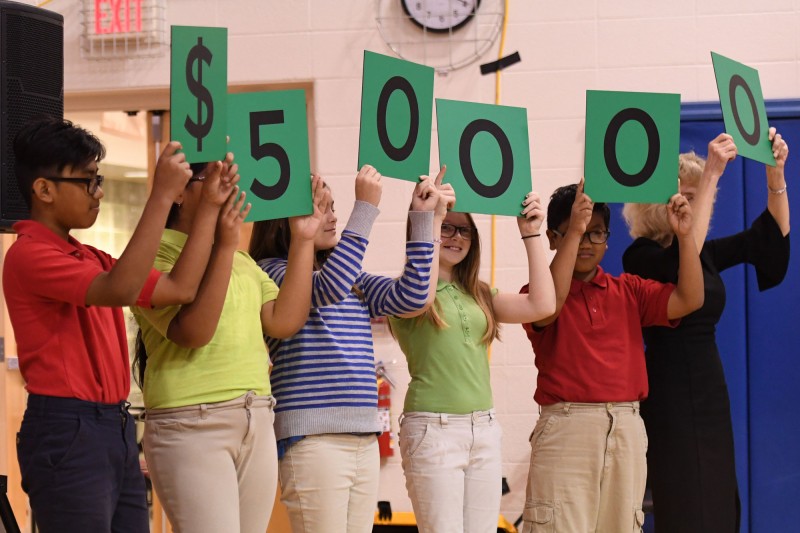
(326, 419)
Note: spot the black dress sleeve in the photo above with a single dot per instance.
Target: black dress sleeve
(761, 245)
(648, 259)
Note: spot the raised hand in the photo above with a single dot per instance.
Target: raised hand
(368, 185)
(231, 216)
(679, 214)
(780, 150)
(530, 221)
(447, 195)
(425, 196)
(582, 209)
(172, 172)
(220, 179)
(306, 226)
(721, 151)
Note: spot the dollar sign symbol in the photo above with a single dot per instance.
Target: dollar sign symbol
(199, 54)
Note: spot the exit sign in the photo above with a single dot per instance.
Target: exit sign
(123, 29)
(117, 16)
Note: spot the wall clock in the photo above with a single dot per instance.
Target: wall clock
(443, 34)
(440, 16)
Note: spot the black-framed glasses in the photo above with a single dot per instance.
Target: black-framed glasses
(595, 237)
(449, 230)
(92, 184)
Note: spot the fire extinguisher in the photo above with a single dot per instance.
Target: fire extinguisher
(386, 438)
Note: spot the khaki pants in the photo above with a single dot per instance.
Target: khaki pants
(453, 470)
(588, 469)
(329, 483)
(214, 466)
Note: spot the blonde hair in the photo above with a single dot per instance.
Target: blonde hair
(650, 220)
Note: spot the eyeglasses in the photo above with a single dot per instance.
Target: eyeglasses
(449, 230)
(92, 184)
(595, 237)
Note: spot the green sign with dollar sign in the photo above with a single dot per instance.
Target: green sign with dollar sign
(269, 141)
(198, 91)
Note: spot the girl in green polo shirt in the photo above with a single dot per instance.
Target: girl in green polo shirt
(449, 435)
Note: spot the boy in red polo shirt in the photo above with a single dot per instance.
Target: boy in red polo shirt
(77, 445)
(588, 466)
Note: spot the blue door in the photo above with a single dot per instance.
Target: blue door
(758, 335)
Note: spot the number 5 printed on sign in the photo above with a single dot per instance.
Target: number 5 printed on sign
(269, 139)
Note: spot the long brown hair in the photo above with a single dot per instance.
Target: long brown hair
(465, 274)
(271, 238)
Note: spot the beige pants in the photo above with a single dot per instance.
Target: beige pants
(329, 483)
(588, 469)
(453, 470)
(214, 466)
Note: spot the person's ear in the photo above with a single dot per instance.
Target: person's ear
(551, 237)
(43, 190)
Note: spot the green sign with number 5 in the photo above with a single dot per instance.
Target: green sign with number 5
(269, 141)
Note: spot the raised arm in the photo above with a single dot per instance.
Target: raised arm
(688, 296)
(720, 151)
(179, 286)
(778, 198)
(563, 264)
(540, 301)
(284, 316)
(195, 324)
(122, 284)
(334, 281)
(432, 195)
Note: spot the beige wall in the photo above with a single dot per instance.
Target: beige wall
(566, 47)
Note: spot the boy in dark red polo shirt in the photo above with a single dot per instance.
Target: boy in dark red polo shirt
(77, 445)
(588, 467)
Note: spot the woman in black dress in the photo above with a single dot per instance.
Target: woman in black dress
(691, 466)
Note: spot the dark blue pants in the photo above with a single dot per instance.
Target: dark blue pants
(80, 467)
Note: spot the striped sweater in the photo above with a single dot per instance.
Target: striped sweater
(324, 376)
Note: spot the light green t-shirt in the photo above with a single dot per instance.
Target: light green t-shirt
(234, 362)
(449, 367)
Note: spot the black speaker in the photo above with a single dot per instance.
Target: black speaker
(31, 84)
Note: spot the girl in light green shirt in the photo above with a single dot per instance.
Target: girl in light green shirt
(449, 434)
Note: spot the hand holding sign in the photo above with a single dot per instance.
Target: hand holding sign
(219, 178)
(679, 214)
(582, 209)
(306, 227)
(530, 223)
(780, 150)
(368, 185)
(172, 172)
(743, 108)
(426, 195)
(447, 195)
(231, 216)
(198, 91)
(721, 151)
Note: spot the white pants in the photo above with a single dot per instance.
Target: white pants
(453, 470)
(329, 483)
(214, 466)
